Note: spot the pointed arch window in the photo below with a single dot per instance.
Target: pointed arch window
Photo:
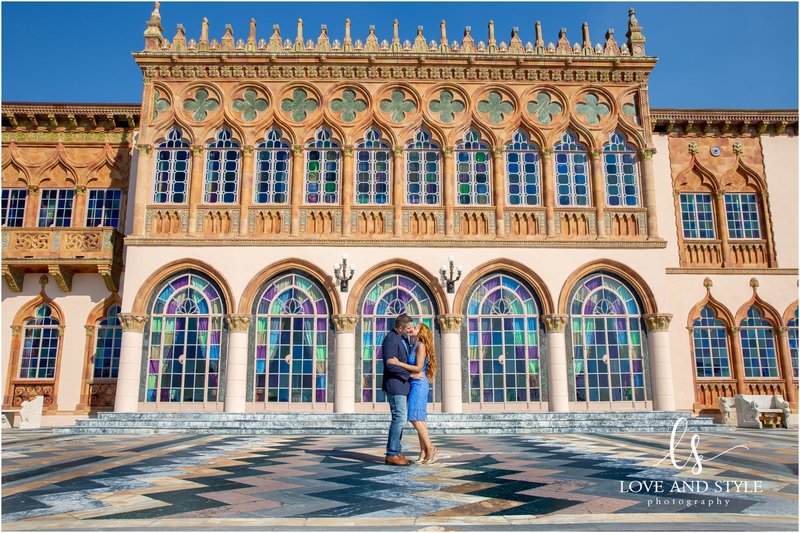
(222, 169)
(472, 170)
(741, 212)
(793, 341)
(40, 345)
(710, 343)
(172, 170)
(759, 352)
(697, 215)
(13, 209)
(373, 169)
(423, 170)
(572, 177)
(108, 342)
(273, 168)
(323, 156)
(621, 173)
(522, 172)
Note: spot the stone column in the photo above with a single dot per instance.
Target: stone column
(721, 225)
(130, 363)
(737, 360)
(143, 194)
(598, 192)
(79, 207)
(499, 189)
(344, 387)
(557, 380)
(767, 229)
(448, 189)
(245, 189)
(398, 193)
(549, 188)
(32, 207)
(785, 357)
(196, 186)
(649, 191)
(347, 187)
(660, 361)
(450, 363)
(296, 188)
(236, 375)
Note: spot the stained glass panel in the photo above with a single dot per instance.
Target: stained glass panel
(572, 175)
(422, 171)
(172, 170)
(373, 174)
(619, 164)
(472, 170)
(710, 341)
(759, 351)
(522, 171)
(322, 169)
(108, 342)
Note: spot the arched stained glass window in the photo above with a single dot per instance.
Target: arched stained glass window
(40, 345)
(108, 342)
(222, 169)
(423, 166)
(291, 344)
(522, 171)
(503, 341)
(572, 175)
(322, 169)
(710, 341)
(388, 296)
(622, 180)
(185, 337)
(793, 341)
(273, 164)
(172, 170)
(472, 170)
(759, 352)
(607, 340)
(373, 164)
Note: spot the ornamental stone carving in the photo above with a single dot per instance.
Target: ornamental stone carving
(397, 106)
(592, 109)
(450, 323)
(495, 108)
(238, 323)
(657, 321)
(83, 242)
(201, 104)
(31, 241)
(132, 322)
(159, 104)
(349, 105)
(345, 323)
(544, 108)
(555, 323)
(299, 105)
(250, 105)
(447, 106)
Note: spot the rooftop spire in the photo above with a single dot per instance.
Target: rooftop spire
(587, 41)
(251, 39)
(443, 46)
(539, 44)
(634, 35)
(299, 46)
(153, 39)
(348, 40)
(492, 40)
(396, 46)
(203, 44)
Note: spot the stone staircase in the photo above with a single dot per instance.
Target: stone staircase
(378, 423)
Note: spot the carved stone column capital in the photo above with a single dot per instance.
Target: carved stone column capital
(781, 331)
(657, 321)
(547, 152)
(131, 322)
(596, 153)
(15, 331)
(735, 329)
(398, 150)
(555, 323)
(238, 323)
(297, 149)
(197, 149)
(646, 153)
(450, 323)
(247, 150)
(144, 149)
(345, 323)
(89, 329)
(447, 151)
(80, 189)
(497, 151)
(348, 149)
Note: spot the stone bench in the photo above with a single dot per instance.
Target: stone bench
(727, 408)
(758, 411)
(30, 414)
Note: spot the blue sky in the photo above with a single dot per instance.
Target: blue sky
(712, 55)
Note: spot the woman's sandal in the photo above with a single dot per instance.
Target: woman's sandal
(433, 457)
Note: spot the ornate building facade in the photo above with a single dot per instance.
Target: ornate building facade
(179, 255)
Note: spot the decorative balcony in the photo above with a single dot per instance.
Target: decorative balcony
(709, 253)
(626, 223)
(749, 253)
(701, 253)
(61, 252)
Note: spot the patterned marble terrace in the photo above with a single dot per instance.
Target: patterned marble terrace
(519, 482)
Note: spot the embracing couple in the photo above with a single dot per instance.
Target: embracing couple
(408, 364)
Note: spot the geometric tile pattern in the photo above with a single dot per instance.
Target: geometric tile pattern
(529, 481)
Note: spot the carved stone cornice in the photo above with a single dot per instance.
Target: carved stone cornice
(716, 122)
(132, 322)
(657, 321)
(450, 323)
(238, 323)
(345, 323)
(555, 323)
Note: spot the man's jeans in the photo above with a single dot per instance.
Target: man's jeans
(398, 404)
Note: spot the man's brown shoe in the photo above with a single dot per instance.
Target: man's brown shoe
(410, 461)
(397, 460)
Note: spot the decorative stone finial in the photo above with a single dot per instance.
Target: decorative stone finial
(299, 45)
(251, 38)
(153, 39)
(275, 42)
(323, 42)
(539, 44)
(396, 46)
(693, 147)
(515, 45)
(634, 35)
(586, 49)
(611, 48)
(43, 279)
(228, 42)
(754, 284)
(420, 46)
(707, 283)
(371, 45)
(563, 46)
(738, 149)
(468, 43)
(348, 41)
(443, 46)
(179, 41)
(203, 44)
(492, 40)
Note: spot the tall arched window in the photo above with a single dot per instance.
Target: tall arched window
(373, 163)
(291, 343)
(222, 169)
(185, 337)
(622, 177)
(273, 164)
(710, 343)
(572, 177)
(322, 169)
(793, 341)
(522, 171)
(608, 342)
(759, 353)
(503, 341)
(108, 342)
(40, 345)
(388, 296)
(172, 170)
(472, 170)
(423, 170)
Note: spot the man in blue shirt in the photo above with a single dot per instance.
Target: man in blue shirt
(396, 385)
